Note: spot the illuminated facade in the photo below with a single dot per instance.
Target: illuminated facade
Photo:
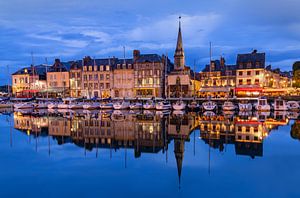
(97, 77)
(217, 79)
(29, 81)
(149, 74)
(123, 79)
(75, 79)
(58, 79)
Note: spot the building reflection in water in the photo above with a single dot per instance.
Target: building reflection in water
(152, 132)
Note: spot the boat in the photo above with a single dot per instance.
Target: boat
(262, 105)
(107, 105)
(293, 105)
(136, 105)
(280, 105)
(52, 105)
(178, 112)
(118, 115)
(41, 105)
(121, 105)
(193, 105)
(24, 105)
(150, 104)
(91, 105)
(209, 114)
(245, 106)
(75, 105)
(163, 105)
(65, 104)
(179, 105)
(228, 106)
(209, 105)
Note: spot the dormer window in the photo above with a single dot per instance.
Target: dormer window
(129, 66)
(107, 68)
(95, 68)
(101, 68)
(90, 68)
(118, 66)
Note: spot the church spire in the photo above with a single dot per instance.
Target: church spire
(179, 52)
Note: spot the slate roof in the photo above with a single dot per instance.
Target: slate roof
(144, 58)
(39, 70)
(253, 58)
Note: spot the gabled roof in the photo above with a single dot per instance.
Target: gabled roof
(37, 70)
(253, 58)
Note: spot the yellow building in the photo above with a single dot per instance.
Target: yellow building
(29, 81)
(58, 79)
(75, 79)
(123, 79)
(250, 74)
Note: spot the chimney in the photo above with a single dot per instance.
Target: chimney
(254, 51)
(136, 54)
(222, 61)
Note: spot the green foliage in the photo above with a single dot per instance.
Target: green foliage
(296, 73)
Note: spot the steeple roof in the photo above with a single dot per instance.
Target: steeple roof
(179, 47)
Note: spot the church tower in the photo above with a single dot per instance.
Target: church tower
(179, 53)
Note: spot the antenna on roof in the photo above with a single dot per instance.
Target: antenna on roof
(124, 54)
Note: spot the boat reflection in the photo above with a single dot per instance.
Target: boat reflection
(153, 131)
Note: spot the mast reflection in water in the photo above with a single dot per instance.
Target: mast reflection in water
(151, 132)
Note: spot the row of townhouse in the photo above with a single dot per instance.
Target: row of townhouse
(248, 77)
(141, 76)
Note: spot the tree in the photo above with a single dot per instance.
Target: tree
(295, 130)
(296, 74)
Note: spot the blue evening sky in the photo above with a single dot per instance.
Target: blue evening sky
(71, 29)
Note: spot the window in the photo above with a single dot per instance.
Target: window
(257, 73)
(96, 77)
(248, 81)
(90, 68)
(101, 85)
(78, 75)
(248, 73)
(95, 68)
(85, 68)
(90, 77)
(107, 76)
(129, 66)
(95, 85)
(256, 81)
(107, 85)
(249, 64)
(101, 76)
(107, 68)
(101, 68)
(240, 81)
(257, 64)
(240, 73)
(84, 77)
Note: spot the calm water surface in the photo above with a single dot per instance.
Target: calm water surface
(147, 154)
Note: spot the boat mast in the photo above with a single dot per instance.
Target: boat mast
(46, 77)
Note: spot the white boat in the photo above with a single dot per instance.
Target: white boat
(121, 105)
(209, 105)
(262, 105)
(107, 105)
(179, 105)
(228, 106)
(118, 115)
(209, 114)
(280, 105)
(52, 105)
(163, 105)
(178, 112)
(91, 105)
(293, 105)
(76, 105)
(136, 105)
(245, 106)
(150, 104)
(193, 105)
(65, 104)
(24, 105)
(41, 105)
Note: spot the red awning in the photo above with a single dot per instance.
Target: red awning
(249, 89)
(30, 91)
